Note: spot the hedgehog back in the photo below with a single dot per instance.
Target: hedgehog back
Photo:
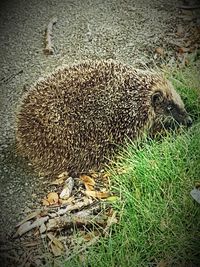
(73, 119)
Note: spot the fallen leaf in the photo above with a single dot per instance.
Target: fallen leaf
(56, 250)
(88, 182)
(27, 226)
(58, 243)
(22, 229)
(45, 202)
(52, 198)
(67, 190)
(96, 194)
(29, 217)
(55, 244)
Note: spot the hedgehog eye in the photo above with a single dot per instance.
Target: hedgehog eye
(157, 98)
(169, 108)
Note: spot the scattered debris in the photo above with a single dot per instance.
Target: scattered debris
(67, 190)
(27, 226)
(187, 42)
(55, 244)
(49, 48)
(82, 207)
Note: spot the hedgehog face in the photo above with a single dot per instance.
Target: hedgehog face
(169, 109)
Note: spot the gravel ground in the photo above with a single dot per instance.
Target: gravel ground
(125, 30)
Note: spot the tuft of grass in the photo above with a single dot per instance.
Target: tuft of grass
(159, 222)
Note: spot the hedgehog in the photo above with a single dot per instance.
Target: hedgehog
(75, 119)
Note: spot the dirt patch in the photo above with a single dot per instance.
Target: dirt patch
(127, 31)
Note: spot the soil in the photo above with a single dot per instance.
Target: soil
(125, 30)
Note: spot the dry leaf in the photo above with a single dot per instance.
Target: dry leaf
(45, 202)
(88, 182)
(96, 194)
(27, 226)
(58, 243)
(29, 217)
(23, 229)
(56, 250)
(52, 198)
(67, 190)
(55, 244)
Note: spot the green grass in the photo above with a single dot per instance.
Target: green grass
(159, 221)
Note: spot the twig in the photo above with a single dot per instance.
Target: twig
(4, 80)
(49, 49)
(190, 7)
(68, 221)
(76, 206)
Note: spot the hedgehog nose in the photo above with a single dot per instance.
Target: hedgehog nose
(189, 122)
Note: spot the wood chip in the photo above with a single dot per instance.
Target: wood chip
(67, 190)
(49, 48)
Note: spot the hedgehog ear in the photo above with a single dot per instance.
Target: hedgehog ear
(157, 98)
